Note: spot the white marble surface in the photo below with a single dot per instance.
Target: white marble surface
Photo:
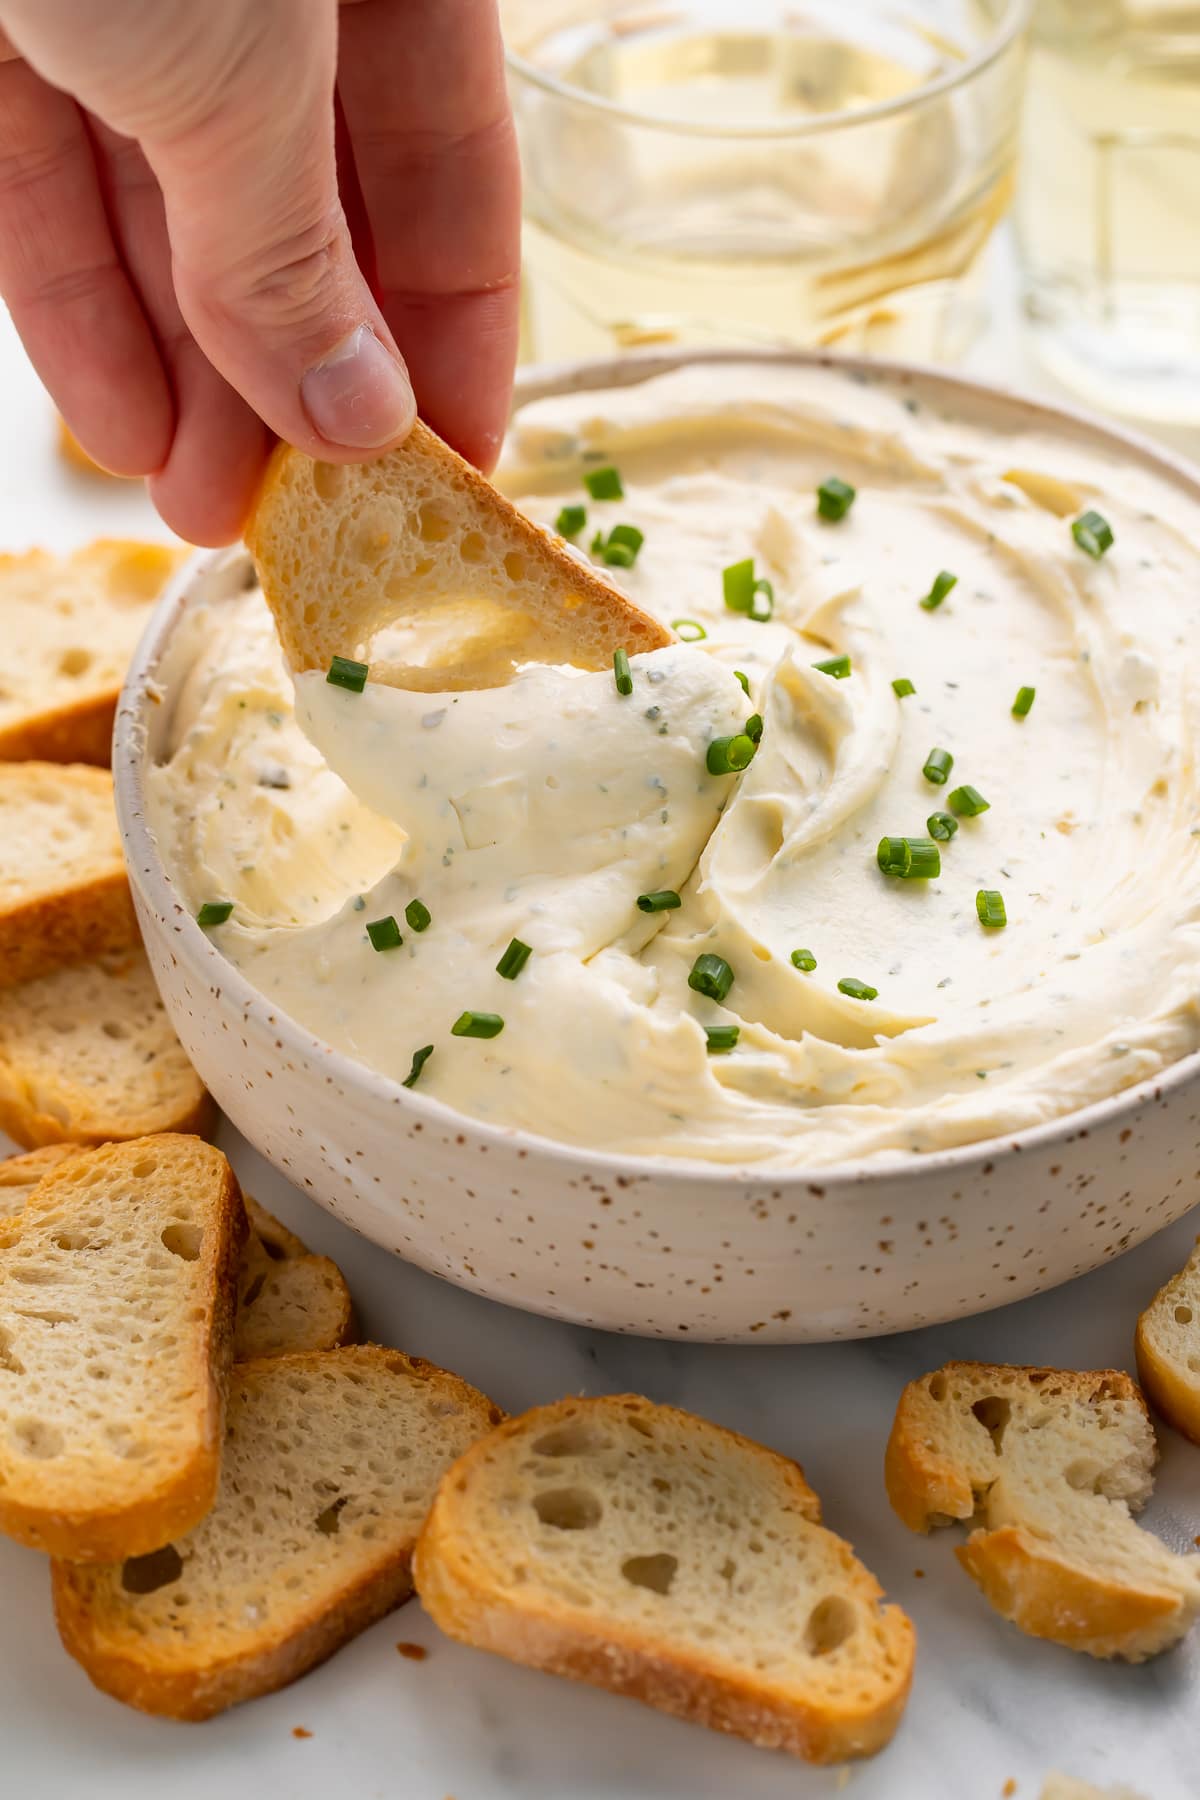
(989, 1707)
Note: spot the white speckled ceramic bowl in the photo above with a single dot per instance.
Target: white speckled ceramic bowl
(632, 1244)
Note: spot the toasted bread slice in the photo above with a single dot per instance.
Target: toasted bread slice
(1051, 1463)
(1167, 1344)
(647, 1551)
(289, 1301)
(87, 1055)
(75, 621)
(419, 537)
(330, 1464)
(118, 1283)
(63, 892)
(20, 1175)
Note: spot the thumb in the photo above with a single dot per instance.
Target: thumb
(264, 269)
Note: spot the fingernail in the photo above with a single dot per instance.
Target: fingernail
(358, 394)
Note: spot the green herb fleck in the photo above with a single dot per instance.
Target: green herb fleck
(1023, 702)
(418, 915)
(570, 521)
(688, 631)
(968, 802)
(941, 825)
(989, 904)
(856, 989)
(214, 912)
(902, 687)
(804, 959)
(477, 1025)
(604, 484)
(730, 755)
(721, 1038)
(943, 582)
(711, 975)
(662, 900)
(835, 497)
(420, 1058)
(938, 765)
(837, 666)
(513, 961)
(1093, 533)
(910, 859)
(621, 672)
(384, 934)
(344, 673)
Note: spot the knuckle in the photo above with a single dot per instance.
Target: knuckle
(294, 279)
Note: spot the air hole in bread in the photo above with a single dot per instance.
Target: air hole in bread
(113, 1028)
(35, 1275)
(993, 1413)
(183, 1240)
(75, 661)
(937, 1386)
(146, 1574)
(654, 1572)
(1183, 1315)
(144, 1166)
(275, 1251)
(254, 1290)
(328, 1521)
(37, 1439)
(576, 1438)
(1084, 1475)
(514, 566)
(433, 527)
(473, 547)
(10, 1362)
(328, 480)
(638, 1424)
(831, 1621)
(568, 1509)
(47, 1318)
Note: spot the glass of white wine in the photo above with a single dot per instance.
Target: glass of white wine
(762, 172)
(1109, 211)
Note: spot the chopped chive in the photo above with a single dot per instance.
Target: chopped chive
(621, 672)
(968, 802)
(837, 666)
(943, 582)
(214, 912)
(477, 1025)
(745, 681)
(571, 521)
(1023, 702)
(711, 975)
(911, 859)
(737, 582)
(856, 989)
(420, 1058)
(604, 484)
(804, 959)
(513, 961)
(1093, 533)
(418, 915)
(662, 900)
(941, 825)
(902, 687)
(730, 755)
(344, 673)
(721, 1038)
(688, 631)
(989, 904)
(620, 548)
(835, 497)
(762, 602)
(754, 728)
(384, 934)
(938, 765)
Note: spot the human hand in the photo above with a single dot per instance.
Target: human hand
(175, 250)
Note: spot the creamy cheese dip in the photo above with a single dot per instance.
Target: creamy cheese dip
(543, 809)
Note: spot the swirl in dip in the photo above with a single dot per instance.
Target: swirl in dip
(542, 809)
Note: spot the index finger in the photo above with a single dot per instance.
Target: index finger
(422, 87)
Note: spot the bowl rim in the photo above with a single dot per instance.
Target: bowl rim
(148, 872)
(1013, 22)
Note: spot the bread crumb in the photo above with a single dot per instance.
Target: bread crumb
(300, 1731)
(414, 1652)
(1009, 1788)
(919, 1574)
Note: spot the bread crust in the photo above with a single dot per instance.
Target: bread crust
(88, 1528)
(463, 1599)
(299, 540)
